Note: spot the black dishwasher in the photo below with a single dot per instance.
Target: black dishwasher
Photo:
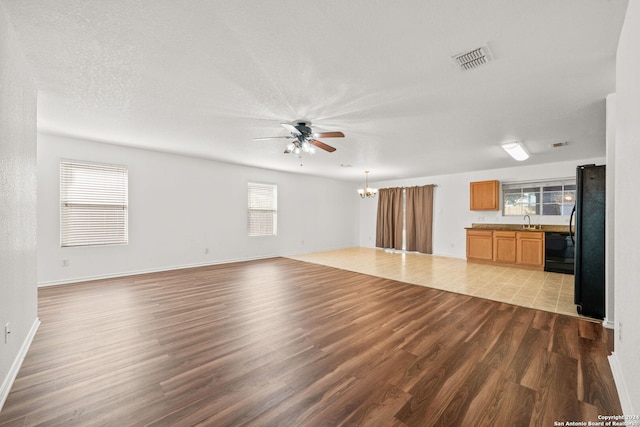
(558, 253)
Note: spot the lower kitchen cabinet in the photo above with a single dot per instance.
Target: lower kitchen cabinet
(530, 248)
(504, 246)
(480, 245)
(515, 248)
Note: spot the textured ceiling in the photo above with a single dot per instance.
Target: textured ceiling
(204, 78)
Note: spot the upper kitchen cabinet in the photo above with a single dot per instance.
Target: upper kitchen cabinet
(485, 195)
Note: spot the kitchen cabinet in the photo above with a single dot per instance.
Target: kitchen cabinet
(530, 248)
(480, 245)
(484, 195)
(523, 249)
(504, 246)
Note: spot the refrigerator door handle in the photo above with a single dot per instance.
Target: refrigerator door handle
(571, 232)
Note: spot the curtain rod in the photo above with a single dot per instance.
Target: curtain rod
(432, 185)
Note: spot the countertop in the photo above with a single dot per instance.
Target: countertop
(549, 228)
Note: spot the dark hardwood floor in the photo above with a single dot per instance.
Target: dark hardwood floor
(280, 342)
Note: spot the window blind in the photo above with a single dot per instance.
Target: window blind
(262, 212)
(93, 204)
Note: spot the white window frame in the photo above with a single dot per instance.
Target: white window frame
(262, 209)
(539, 193)
(94, 204)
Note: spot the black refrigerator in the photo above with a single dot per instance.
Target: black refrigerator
(589, 243)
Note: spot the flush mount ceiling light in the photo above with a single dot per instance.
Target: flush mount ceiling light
(366, 191)
(515, 150)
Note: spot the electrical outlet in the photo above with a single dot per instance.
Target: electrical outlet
(7, 332)
(206, 250)
(65, 263)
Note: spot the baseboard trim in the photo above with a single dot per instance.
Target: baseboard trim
(621, 386)
(69, 281)
(144, 271)
(17, 363)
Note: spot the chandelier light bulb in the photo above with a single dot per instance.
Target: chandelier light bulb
(367, 191)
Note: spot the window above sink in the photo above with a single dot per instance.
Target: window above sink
(544, 197)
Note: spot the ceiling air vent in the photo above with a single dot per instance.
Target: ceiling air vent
(473, 58)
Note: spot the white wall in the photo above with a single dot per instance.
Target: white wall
(18, 296)
(627, 208)
(179, 206)
(451, 203)
(609, 319)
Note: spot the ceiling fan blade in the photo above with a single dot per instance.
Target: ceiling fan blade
(291, 128)
(272, 137)
(328, 135)
(322, 145)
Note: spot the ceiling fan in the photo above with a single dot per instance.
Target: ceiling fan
(304, 139)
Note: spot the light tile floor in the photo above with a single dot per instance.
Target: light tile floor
(536, 289)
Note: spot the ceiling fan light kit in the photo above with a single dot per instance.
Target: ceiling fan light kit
(515, 150)
(300, 147)
(304, 139)
(367, 191)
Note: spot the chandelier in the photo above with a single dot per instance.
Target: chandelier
(366, 191)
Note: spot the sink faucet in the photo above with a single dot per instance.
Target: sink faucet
(529, 218)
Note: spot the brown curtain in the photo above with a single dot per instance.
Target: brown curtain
(389, 220)
(419, 217)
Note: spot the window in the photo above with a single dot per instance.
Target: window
(93, 204)
(549, 197)
(263, 214)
